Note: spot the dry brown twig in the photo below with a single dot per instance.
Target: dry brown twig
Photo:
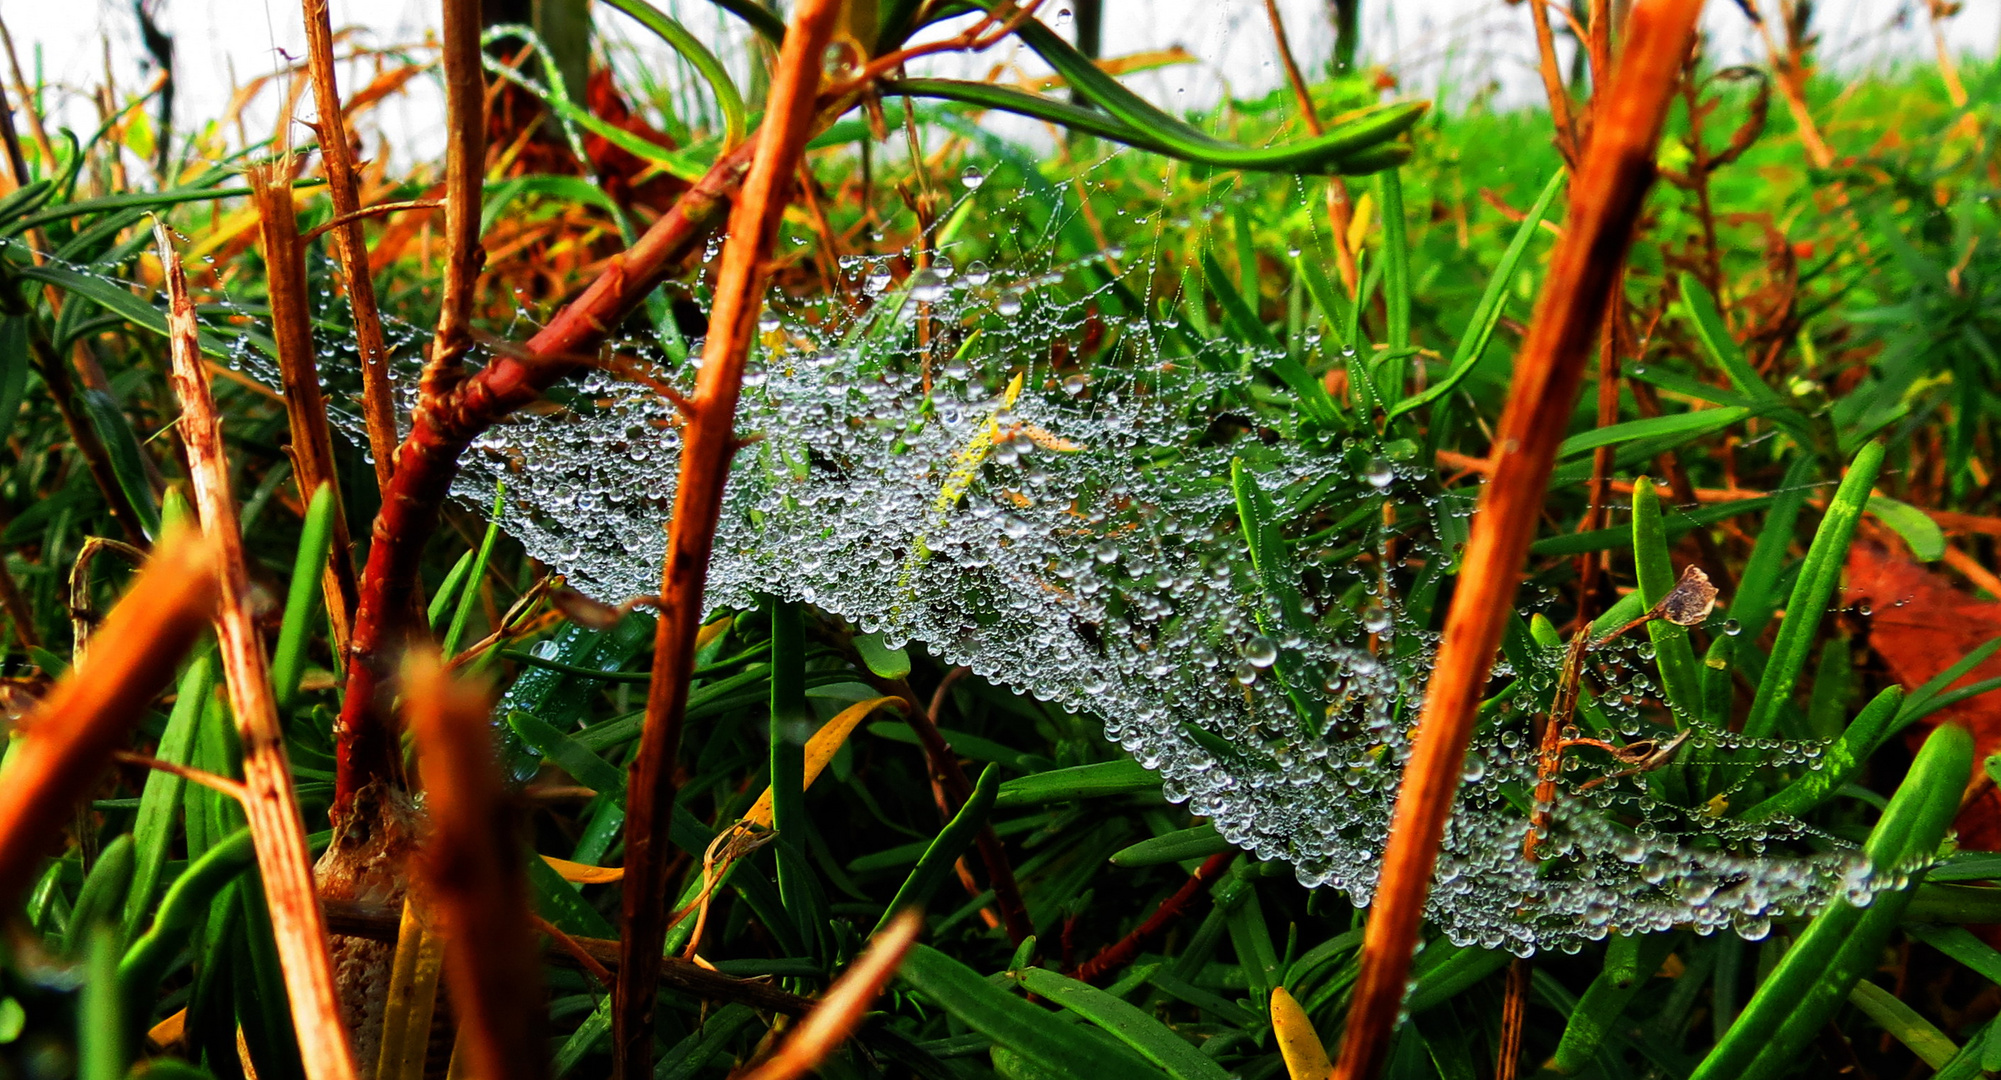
(1612, 182)
(471, 869)
(708, 444)
(305, 409)
(277, 832)
(378, 402)
(841, 1010)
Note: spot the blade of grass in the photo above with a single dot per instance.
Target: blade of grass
(708, 444)
(469, 590)
(1037, 1036)
(288, 662)
(1605, 202)
(161, 799)
(1819, 576)
(1154, 1040)
(951, 842)
(1844, 941)
(272, 806)
(1655, 571)
(1903, 1023)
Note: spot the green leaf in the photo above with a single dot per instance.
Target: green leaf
(1699, 422)
(1396, 286)
(469, 595)
(1758, 587)
(160, 801)
(1235, 308)
(1838, 763)
(1038, 1036)
(102, 898)
(698, 56)
(1199, 842)
(1105, 778)
(951, 842)
(126, 464)
(1672, 652)
(1143, 1033)
(1722, 348)
(885, 662)
(1926, 539)
(1598, 1011)
(103, 1043)
(181, 911)
(1812, 592)
(14, 364)
(302, 597)
(454, 583)
(1487, 314)
(1844, 941)
(576, 759)
(1903, 1023)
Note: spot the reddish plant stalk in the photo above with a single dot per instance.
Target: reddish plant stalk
(305, 409)
(444, 424)
(68, 741)
(1123, 951)
(708, 444)
(471, 867)
(1612, 183)
(378, 396)
(465, 164)
(271, 806)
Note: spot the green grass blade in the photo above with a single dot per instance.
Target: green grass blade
(698, 56)
(885, 662)
(1845, 941)
(126, 462)
(1598, 1011)
(1036, 1035)
(1199, 842)
(302, 598)
(1839, 762)
(181, 912)
(1722, 348)
(1100, 780)
(160, 801)
(102, 898)
(791, 724)
(1812, 592)
(1136, 1029)
(469, 596)
(1392, 379)
(576, 759)
(1672, 652)
(1926, 539)
(1758, 587)
(1700, 422)
(1235, 308)
(1903, 1023)
(1487, 314)
(951, 842)
(103, 1044)
(454, 583)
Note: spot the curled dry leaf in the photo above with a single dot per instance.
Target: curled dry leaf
(1690, 601)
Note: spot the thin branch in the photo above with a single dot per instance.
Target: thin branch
(1552, 85)
(378, 396)
(377, 210)
(465, 165)
(1123, 951)
(65, 744)
(305, 409)
(271, 805)
(1606, 199)
(707, 445)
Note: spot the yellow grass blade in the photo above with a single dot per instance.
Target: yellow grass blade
(1298, 1043)
(820, 750)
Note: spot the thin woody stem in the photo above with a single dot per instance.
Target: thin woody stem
(465, 164)
(378, 396)
(271, 804)
(708, 443)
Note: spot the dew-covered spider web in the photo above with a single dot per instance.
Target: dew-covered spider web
(1043, 468)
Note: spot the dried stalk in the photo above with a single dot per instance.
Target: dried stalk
(843, 1008)
(1339, 213)
(1611, 186)
(1126, 949)
(465, 164)
(378, 396)
(305, 409)
(708, 443)
(272, 808)
(1552, 84)
(471, 867)
(65, 744)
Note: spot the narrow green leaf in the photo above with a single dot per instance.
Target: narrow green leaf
(454, 582)
(181, 911)
(1699, 422)
(1235, 308)
(698, 56)
(103, 1044)
(115, 431)
(1722, 348)
(951, 842)
(1136, 1029)
(14, 364)
(1672, 652)
(1103, 779)
(1199, 842)
(1598, 1011)
(302, 598)
(469, 596)
(1926, 539)
(885, 662)
(1903, 1023)
(1396, 286)
(1818, 578)
(1844, 941)
(102, 898)
(160, 802)
(1758, 587)
(576, 759)
(1036, 1035)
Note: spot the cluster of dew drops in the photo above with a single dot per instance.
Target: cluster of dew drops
(1077, 540)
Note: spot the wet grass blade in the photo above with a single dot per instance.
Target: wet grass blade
(1845, 941)
(160, 802)
(1655, 570)
(101, 1037)
(1838, 763)
(1199, 842)
(1630, 962)
(190, 898)
(469, 595)
(950, 843)
(302, 598)
(1101, 780)
(1039, 1037)
(1152, 1039)
(1812, 592)
(102, 898)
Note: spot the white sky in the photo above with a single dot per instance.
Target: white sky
(1460, 44)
